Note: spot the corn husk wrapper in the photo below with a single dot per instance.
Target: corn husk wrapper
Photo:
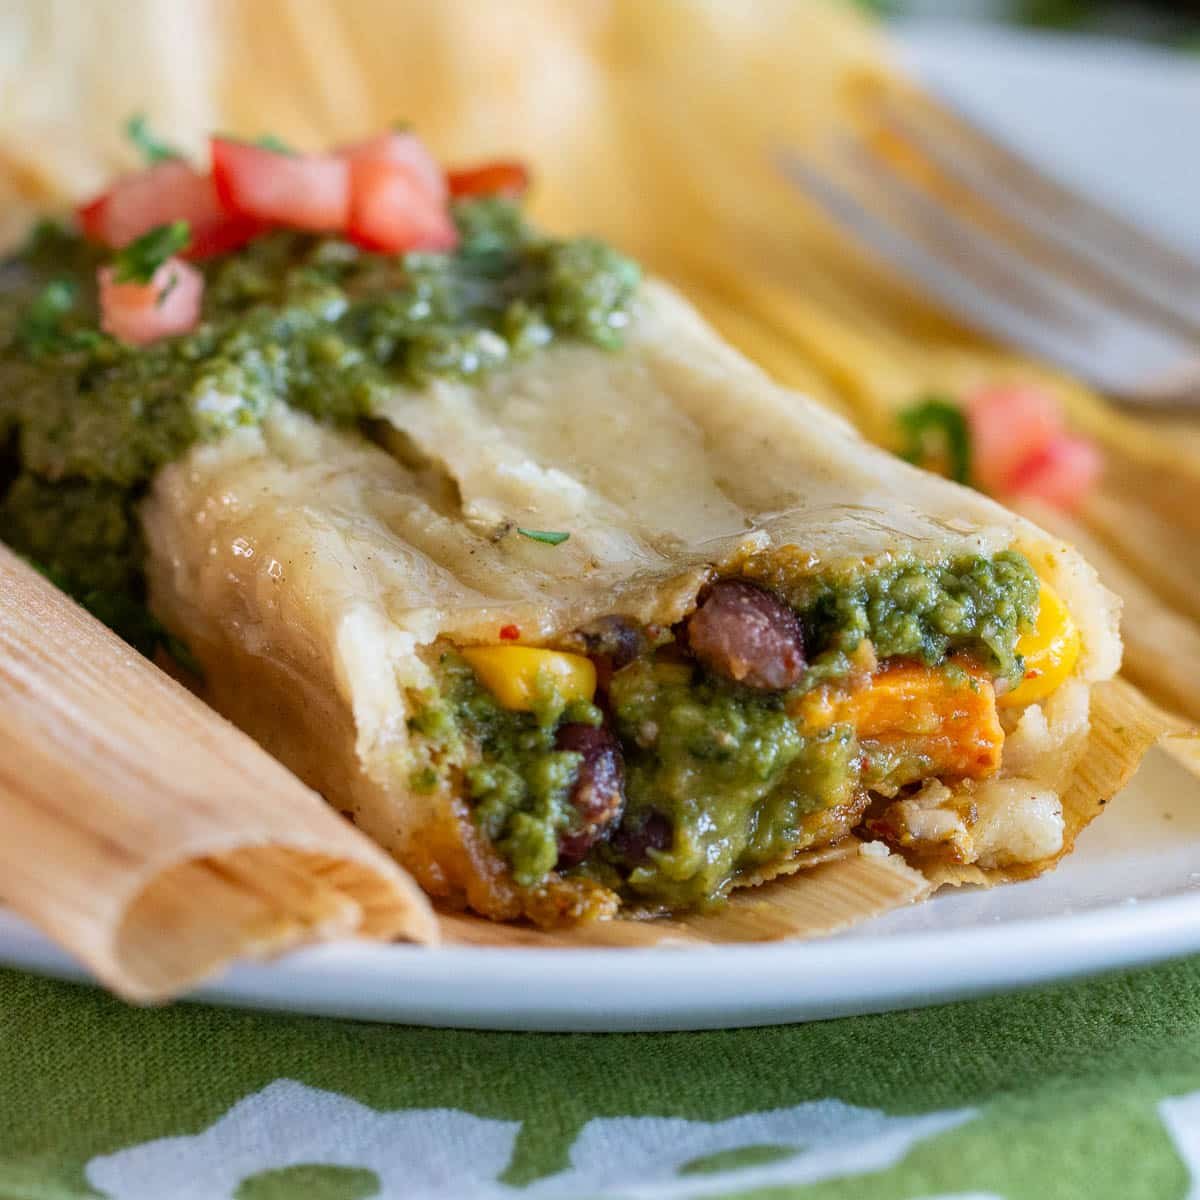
(146, 835)
(822, 892)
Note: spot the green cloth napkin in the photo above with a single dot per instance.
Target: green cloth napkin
(1088, 1091)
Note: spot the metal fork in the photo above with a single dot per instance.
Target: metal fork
(1009, 249)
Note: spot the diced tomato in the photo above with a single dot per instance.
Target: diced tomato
(1009, 426)
(144, 312)
(1062, 474)
(91, 217)
(405, 149)
(398, 196)
(391, 209)
(301, 191)
(169, 191)
(490, 179)
(230, 232)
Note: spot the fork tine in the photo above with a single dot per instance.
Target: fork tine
(1012, 182)
(949, 285)
(1012, 298)
(941, 229)
(1037, 237)
(1125, 351)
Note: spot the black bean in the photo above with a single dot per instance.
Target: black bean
(616, 639)
(598, 796)
(747, 634)
(635, 838)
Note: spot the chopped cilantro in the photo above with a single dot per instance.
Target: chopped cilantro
(935, 427)
(42, 328)
(268, 141)
(551, 537)
(41, 324)
(141, 258)
(167, 288)
(152, 147)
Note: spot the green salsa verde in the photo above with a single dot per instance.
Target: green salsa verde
(311, 321)
(724, 769)
(730, 772)
(518, 782)
(907, 608)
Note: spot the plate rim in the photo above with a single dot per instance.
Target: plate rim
(793, 981)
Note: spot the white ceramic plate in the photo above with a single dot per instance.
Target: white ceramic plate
(1129, 895)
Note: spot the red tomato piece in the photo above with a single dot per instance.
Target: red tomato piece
(405, 149)
(1062, 474)
(503, 178)
(391, 209)
(220, 236)
(300, 191)
(144, 312)
(169, 191)
(510, 633)
(91, 217)
(1009, 425)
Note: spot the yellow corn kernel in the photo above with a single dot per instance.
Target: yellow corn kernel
(511, 673)
(1050, 650)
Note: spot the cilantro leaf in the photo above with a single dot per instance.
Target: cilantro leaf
(141, 258)
(936, 424)
(41, 328)
(41, 322)
(152, 147)
(551, 537)
(268, 141)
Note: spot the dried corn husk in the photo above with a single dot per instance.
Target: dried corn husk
(828, 891)
(146, 835)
